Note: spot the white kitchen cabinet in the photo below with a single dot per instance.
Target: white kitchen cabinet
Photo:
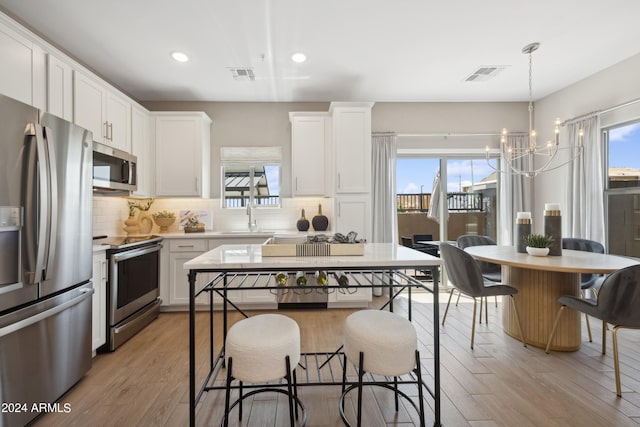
(99, 309)
(181, 251)
(352, 146)
(348, 297)
(174, 285)
(141, 148)
(102, 111)
(251, 298)
(353, 213)
(59, 88)
(182, 154)
(22, 67)
(310, 141)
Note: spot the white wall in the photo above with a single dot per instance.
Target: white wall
(609, 88)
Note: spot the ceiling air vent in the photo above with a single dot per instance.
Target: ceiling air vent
(485, 73)
(243, 74)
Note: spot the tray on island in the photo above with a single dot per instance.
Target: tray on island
(300, 247)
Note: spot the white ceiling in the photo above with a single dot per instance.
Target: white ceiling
(358, 50)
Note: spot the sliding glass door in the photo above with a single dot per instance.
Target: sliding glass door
(445, 196)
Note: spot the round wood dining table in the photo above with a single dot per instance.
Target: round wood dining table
(540, 281)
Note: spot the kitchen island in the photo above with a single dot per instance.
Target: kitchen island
(234, 268)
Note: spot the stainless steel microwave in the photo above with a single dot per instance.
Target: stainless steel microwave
(114, 171)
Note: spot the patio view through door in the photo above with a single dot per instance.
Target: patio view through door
(470, 205)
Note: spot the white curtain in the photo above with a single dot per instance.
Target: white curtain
(585, 198)
(515, 192)
(385, 225)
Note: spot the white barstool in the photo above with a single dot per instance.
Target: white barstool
(260, 349)
(384, 344)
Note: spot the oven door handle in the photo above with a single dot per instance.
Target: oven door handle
(122, 256)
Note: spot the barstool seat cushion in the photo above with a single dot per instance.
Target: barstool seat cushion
(259, 346)
(387, 340)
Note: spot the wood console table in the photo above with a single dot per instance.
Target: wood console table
(540, 281)
(381, 266)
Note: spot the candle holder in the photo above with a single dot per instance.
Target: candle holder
(553, 227)
(523, 228)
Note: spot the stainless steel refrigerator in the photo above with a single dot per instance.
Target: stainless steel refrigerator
(45, 260)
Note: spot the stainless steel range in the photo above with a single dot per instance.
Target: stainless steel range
(133, 289)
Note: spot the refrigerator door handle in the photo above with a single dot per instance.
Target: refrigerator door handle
(42, 204)
(52, 216)
(21, 324)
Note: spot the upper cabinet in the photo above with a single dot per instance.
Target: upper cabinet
(22, 73)
(141, 148)
(59, 88)
(352, 146)
(182, 150)
(310, 142)
(102, 111)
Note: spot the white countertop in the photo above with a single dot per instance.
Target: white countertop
(210, 234)
(249, 257)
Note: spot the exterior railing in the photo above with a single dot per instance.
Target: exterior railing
(243, 201)
(456, 202)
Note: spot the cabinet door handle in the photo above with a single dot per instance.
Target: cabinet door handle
(111, 132)
(339, 182)
(196, 183)
(186, 246)
(106, 130)
(296, 183)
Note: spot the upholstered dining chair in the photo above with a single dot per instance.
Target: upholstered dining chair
(617, 304)
(465, 275)
(490, 271)
(587, 281)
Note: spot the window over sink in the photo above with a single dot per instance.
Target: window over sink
(251, 176)
(251, 185)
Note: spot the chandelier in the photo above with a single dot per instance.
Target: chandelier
(523, 160)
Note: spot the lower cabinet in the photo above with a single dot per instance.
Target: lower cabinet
(174, 287)
(99, 309)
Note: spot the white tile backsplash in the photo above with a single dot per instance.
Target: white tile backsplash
(109, 213)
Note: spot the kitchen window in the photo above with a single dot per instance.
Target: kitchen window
(251, 185)
(251, 176)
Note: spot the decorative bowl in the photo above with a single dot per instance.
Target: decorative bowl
(164, 223)
(537, 251)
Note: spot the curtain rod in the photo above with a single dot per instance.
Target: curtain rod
(419, 135)
(599, 112)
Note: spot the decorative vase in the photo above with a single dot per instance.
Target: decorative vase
(303, 223)
(553, 227)
(145, 222)
(164, 223)
(320, 222)
(523, 228)
(131, 225)
(537, 251)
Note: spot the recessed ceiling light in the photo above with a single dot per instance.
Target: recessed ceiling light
(299, 57)
(180, 56)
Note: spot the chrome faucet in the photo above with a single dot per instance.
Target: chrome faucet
(252, 225)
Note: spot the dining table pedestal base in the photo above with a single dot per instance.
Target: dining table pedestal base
(538, 291)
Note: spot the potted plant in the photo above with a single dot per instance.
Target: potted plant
(538, 244)
(164, 219)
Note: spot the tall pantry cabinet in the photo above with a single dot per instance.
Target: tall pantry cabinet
(352, 160)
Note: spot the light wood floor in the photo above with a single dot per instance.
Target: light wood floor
(499, 383)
